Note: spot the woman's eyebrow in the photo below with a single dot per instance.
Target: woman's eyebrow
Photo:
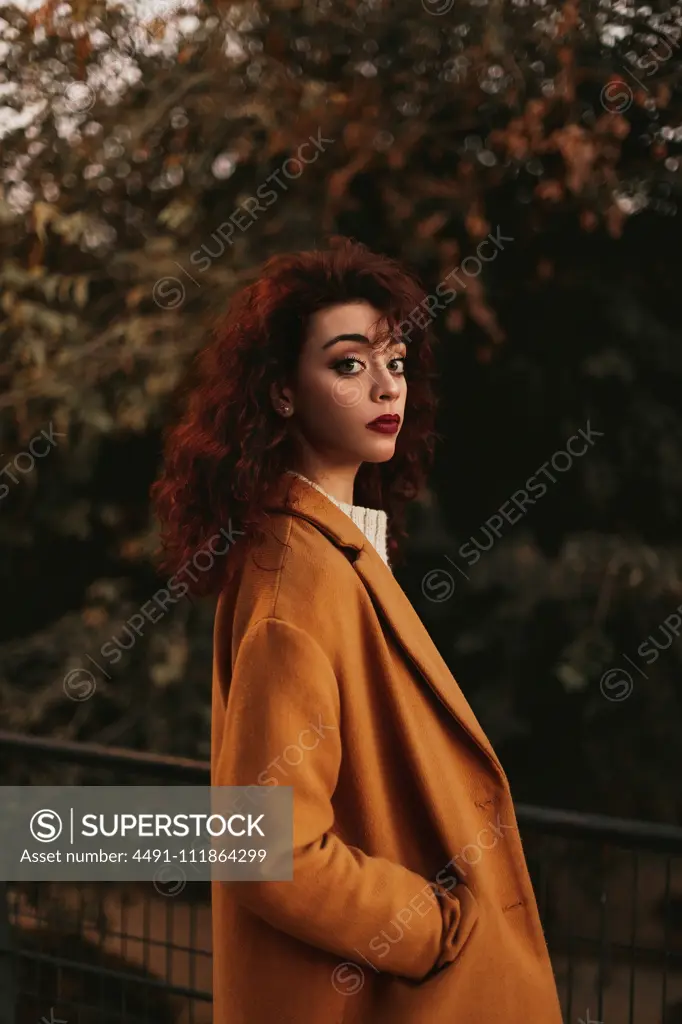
(358, 337)
(346, 337)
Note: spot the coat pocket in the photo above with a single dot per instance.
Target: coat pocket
(460, 913)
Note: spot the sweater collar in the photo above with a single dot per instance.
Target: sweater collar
(372, 521)
(293, 495)
(345, 505)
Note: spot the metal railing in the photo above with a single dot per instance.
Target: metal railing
(609, 892)
(104, 953)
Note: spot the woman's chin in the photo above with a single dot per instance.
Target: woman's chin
(380, 450)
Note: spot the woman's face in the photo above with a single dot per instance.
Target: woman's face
(343, 384)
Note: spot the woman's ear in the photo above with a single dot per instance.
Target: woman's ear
(282, 400)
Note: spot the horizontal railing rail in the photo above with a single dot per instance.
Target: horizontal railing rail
(639, 834)
(121, 758)
(616, 831)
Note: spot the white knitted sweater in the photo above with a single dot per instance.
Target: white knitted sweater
(372, 521)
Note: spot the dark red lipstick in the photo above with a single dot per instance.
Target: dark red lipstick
(387, 424)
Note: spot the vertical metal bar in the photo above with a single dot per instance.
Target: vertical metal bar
(169, 936)
(146, 939)
(570, 949)
(543, 882)
(122, 1003)
(192, 943)
(8, 995)
(602, 931)
(123, 939)
(102, 993)
(666, 936)
(82, 912)
(123, 946)
(633, 934)
(40, 924)
(102, 917)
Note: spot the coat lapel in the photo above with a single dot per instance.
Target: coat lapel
(394, 607)
(296, 497)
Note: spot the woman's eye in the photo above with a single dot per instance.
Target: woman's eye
(346, 365)
(401, 367)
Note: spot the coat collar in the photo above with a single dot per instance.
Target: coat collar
(296, 497)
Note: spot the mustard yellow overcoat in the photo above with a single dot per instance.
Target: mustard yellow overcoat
(411, 901)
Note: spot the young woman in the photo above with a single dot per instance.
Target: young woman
(308, 426)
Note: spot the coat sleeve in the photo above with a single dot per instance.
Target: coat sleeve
(284, 696)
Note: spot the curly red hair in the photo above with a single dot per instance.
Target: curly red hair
(229, 446)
